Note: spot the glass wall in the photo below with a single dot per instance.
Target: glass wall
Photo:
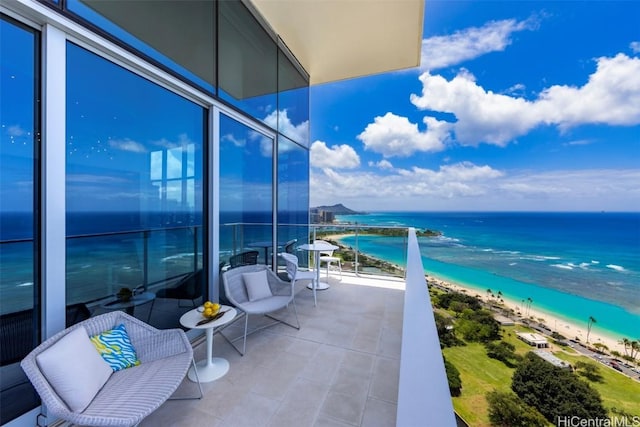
(293, 101)
(134, 192)
(162, 30)
(19, 281)
(247, 63)
(246, 191)
(293, 192)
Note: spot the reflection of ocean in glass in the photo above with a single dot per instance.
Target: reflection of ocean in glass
(98, 265)
(106, 250)
(571, 264)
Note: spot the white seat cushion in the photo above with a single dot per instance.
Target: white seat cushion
(257, 285)
(74, 369)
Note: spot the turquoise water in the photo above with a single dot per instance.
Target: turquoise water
(572, 265)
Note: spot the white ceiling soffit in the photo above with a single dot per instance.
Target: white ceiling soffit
(341, 39)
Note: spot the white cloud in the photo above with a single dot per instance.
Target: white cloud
(16, 130)
(611, 96)
(445, 51)
(581, 142)
(382, 164)
(392, 135)
(470, 187)
(298, 133)
(229, 137)
(462, 179)
(127, 145)
(337, 157)
(635, 47)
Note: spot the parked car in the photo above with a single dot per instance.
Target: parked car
(615, 366)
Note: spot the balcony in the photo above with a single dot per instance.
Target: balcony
(367, 355)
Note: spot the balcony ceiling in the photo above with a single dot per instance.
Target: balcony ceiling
(342, 39)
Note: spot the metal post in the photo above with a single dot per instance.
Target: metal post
(356, 249)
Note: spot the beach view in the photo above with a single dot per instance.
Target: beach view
(528, 271)
(523, 161)
(472, 167)
(553, 259)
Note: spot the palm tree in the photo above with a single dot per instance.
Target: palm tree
(635, 348)
(489, 293)
(625, 342)
(592, 320)
(529, 302)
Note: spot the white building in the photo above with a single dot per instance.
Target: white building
(533, 339)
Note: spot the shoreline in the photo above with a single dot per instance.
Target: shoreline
(569, 329)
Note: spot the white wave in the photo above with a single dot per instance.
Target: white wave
(563, 266)
(584, 265)
(447, 239)
(24, 285)
(616, 267)
(513, 263)
(539, 258)
(595, 262)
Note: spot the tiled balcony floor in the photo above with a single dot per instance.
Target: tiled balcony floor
(340, 369)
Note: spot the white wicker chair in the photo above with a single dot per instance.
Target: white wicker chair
(131, 394)
(282, 294)
(295, 274)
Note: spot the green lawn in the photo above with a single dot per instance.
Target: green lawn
(480, 374)
(616, 390)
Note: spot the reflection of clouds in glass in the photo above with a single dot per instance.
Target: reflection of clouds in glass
(176, 160)
(127, 145)
(183, 140)
(95, 179)
(266, 143)
(280, 120)
(241, 195)
(16, 130)
(232, 139)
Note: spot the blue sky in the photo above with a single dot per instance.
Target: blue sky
(516, 106)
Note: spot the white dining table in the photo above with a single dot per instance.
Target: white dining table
(316, 248)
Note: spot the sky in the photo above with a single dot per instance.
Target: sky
(516, 106)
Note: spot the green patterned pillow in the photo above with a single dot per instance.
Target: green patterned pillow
(115, 348)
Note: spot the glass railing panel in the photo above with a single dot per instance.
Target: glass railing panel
(163, 270)
(366, 249)
(16, 276)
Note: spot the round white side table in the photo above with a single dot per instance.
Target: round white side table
(211, 368)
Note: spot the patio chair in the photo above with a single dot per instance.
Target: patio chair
(290, 246)
(257, 290)
(190, 287)
(328, 258)
(295, 274)
(244, 258)
(121, 398)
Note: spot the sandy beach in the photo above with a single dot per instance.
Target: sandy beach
(567, 329)
(570, 330)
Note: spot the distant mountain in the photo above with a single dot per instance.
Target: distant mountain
(338, 209)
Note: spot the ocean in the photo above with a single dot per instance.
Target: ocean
(572, 265)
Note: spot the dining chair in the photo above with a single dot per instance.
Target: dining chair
(244, 258)
(328, 258)
(294, 273)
